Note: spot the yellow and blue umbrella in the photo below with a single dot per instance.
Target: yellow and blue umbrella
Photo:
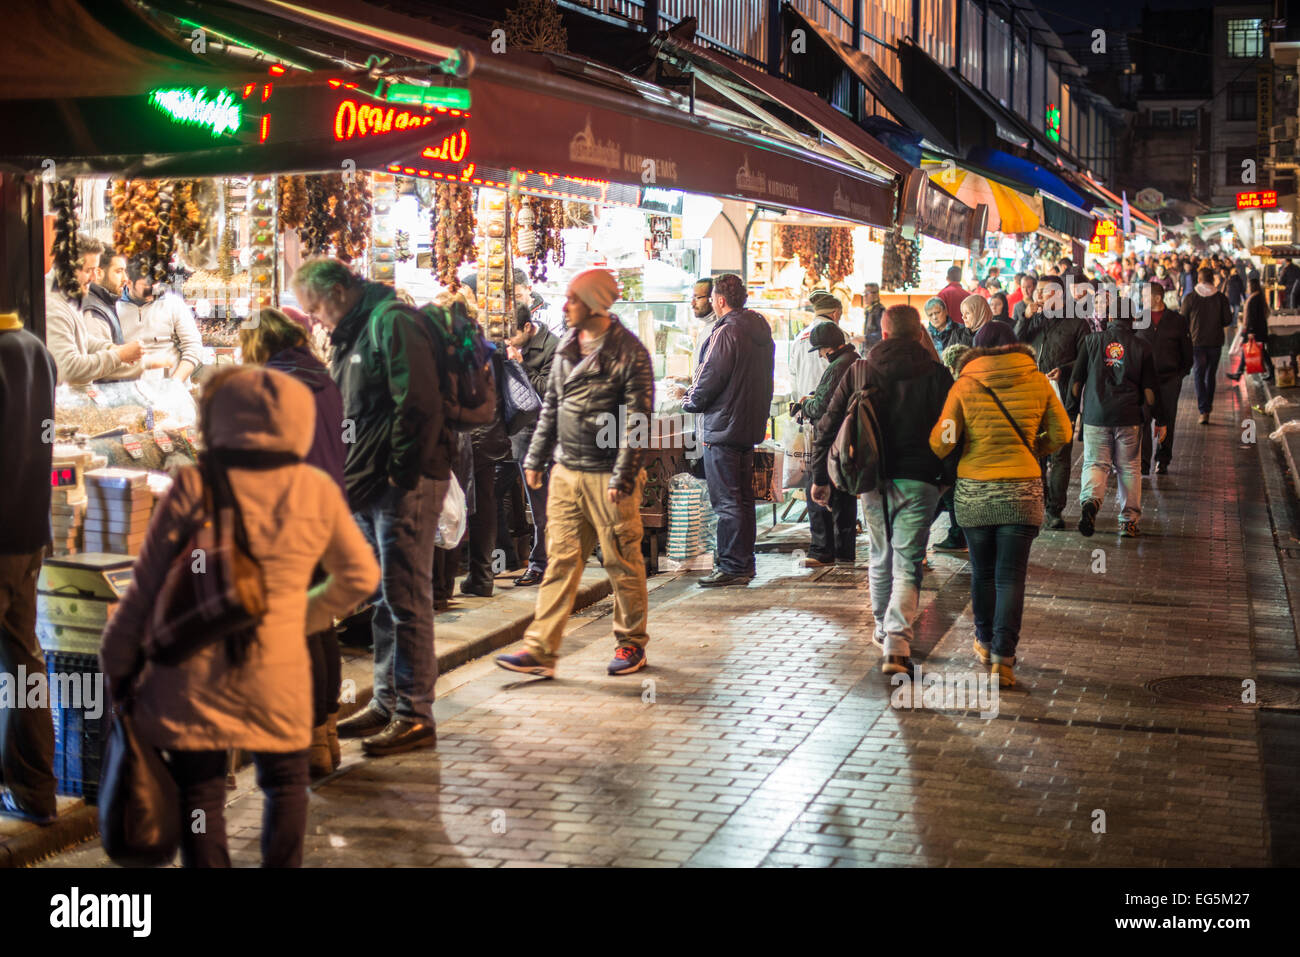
(1009, 211)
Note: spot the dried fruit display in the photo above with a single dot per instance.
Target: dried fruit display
(189, 219)
(353, 218)
(164, 244)
(822, 250)
(454, 227)
(64, 200)
(135, 217)
(292, 201)
(839, 257)
(901, 263)
(229, 240)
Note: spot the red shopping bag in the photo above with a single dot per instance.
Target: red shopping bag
(1254, 353)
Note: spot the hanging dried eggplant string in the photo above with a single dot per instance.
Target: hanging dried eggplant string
(352, 218)
(454, 232)
(434, 254)
(292, 201)
(315, 231)
(164, 244)
(226, 256)
(64, 200)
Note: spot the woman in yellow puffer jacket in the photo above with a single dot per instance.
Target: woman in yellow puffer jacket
(999, 491)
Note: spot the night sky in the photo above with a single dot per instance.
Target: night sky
(1065, 15)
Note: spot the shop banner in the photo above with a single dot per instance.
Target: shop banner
(938, 214)
(544, 132)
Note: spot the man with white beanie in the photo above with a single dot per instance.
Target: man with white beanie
(597, 408)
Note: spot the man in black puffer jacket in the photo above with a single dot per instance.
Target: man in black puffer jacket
(1170, 342)
(1057, 336)
(733, 390)
(597, 406)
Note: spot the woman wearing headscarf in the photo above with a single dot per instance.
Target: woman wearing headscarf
(255, 695)
(998, 304)
(1008, 415)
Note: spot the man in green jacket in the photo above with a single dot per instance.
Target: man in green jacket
(834, 529)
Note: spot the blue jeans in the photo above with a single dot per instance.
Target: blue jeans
(730, 474)
(1112, 447)
(895, 574)
(999, 563)
(201, 778)
(400, 526)
(1205, 366)
(537, 502)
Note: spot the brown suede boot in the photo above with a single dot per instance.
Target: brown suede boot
(332, 733)
(318, 756)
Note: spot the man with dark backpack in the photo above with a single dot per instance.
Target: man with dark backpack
(906, 388)
(397, 472)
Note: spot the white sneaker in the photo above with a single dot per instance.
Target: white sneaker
(878, 637)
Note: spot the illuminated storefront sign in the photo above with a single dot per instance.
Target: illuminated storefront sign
(1053, 124)
(1106, 238)
(452, 149)
(353, 119)
(1257, 199)
(218, 114)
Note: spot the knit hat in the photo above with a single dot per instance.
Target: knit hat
(597, 288)
(825, 335)
(995, 334)
(824, 303)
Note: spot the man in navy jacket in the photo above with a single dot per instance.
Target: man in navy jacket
(733, 393)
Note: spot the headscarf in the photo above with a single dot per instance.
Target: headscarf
(976, 312)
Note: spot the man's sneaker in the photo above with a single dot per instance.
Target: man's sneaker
(9, 806)
(1128, 529)
(878, 636)
(981, 652)
(955, 542)
(812, 562)
(627, 659)
(719, 579)
(525, 664)
(1054, 522)
(896, 665)
(1088, 520)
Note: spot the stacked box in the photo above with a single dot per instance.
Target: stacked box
(118, 507)
(66, 519)
(685, 523)
(78, 729)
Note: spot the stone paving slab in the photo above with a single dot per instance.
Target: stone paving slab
(762, 734)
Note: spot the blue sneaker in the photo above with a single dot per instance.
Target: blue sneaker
(627, 659)
(526, 664)
(9, 806)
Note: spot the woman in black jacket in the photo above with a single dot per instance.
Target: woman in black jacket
(1254, 322)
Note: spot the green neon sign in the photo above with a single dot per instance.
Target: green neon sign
(451, 97)
(1053, 123)
(191, 107)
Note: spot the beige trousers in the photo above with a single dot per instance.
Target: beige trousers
(578, 515)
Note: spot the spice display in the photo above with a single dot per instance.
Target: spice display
(292, 201)
(64, 202)
(454, 226)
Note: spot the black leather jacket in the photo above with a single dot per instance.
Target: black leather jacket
(581, 408)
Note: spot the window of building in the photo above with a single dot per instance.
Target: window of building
(1241, 101)
(1187, 118)
(1232, 166)
(1245, 38)
(1160, 119)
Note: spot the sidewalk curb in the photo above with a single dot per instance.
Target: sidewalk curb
(80, 822)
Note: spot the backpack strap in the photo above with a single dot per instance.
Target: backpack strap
(995, 398)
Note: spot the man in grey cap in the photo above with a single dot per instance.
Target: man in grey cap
(834, 529)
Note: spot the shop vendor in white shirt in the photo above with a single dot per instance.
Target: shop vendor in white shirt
(164, 324)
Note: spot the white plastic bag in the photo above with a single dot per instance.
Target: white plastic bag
(452, 521)
(1235, 348)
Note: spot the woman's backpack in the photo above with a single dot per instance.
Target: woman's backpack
(857, 456)
(463, 356)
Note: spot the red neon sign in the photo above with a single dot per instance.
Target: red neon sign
(1257, 199)
(452, 149)
(353, 119)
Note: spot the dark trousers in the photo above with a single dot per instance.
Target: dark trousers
(537, 502)
(730, 474)
(1056, 479)
(26, 734)
(483, 526)
(510, 510)
(948, 503)
(1205, 366)
(999, 562)
(201, 778)
(1170, 389)
(326, 675)
(835, 529)
(446, 564)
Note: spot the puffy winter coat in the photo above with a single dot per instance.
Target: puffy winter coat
(1207, 314)
(1170, 344)
(993, 449)
(295, 516)
(734, 387)
(581, 396)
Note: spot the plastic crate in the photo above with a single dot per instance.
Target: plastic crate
(78, 737)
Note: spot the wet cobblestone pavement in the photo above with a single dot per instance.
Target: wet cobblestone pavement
(763, 734)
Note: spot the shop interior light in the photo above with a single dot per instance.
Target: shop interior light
(414, 94)
(218, 114)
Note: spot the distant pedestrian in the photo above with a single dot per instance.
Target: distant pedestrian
(1009, 416)
(998, 304)
(834, 530)
(257, 425)
(952, 296)
(944, 331)
(912, 387)
(875, 312)
(1170, 342)
(733, 399)
(600, 395)
(1208, 314)
(27, 378)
